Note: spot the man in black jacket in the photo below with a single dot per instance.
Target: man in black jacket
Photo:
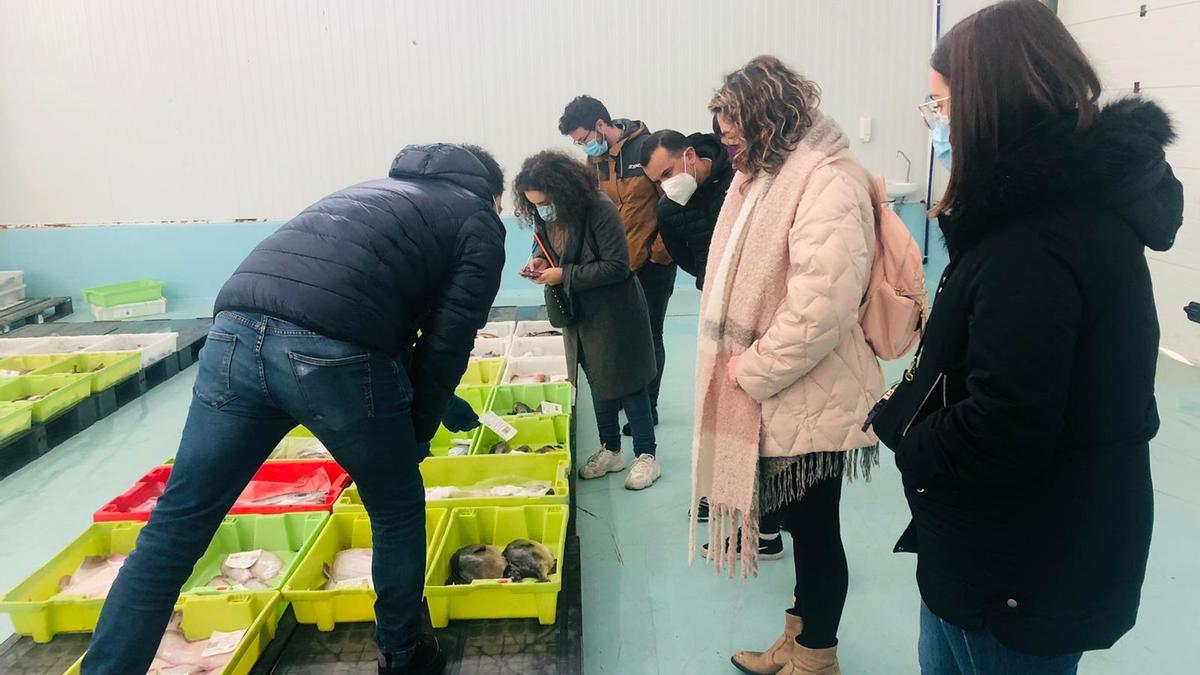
(694, 173)
(355, 319)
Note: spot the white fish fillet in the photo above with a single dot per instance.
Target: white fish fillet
(93, 578)
(350, 565)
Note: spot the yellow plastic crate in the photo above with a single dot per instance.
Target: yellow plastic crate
(440, 445)
(532, 430)
(14, 419)
(496, 599)
(257, 613)
(19, 366)
(483, 372)
(470, 470)
(68, 390)
(288, 535)
(478, 396)
(104, 369)
(33, 611)
(304, 590)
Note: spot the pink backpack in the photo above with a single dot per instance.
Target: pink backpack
(892, 314)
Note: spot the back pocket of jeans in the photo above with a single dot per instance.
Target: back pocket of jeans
(337, 391)
(213, 385)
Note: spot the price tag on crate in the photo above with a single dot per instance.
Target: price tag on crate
(244, 560)
(549, 408)
(503, 429)
(223, 643)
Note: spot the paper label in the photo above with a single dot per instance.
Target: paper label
(244, 560)
(223, 643)
(356, 582)
(549, 408)
(503, 429)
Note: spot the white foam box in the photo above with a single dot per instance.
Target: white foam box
(130, 311)
(528, 328)
(154, 346)
(11, 297)
(490, 348)
(10, 279)
(49, 345)
(553, 367)
(527, 347)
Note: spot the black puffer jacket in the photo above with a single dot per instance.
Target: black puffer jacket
(376, 262)
(687, 230)
(1023, 438)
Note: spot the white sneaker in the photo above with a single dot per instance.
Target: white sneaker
(602, 463)
(643, 474)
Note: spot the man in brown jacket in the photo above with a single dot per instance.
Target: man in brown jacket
(614, 150)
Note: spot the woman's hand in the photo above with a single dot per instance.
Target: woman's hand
(731, 370)
(534, 268)
(551, 277)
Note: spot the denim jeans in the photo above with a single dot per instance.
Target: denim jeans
(257, 378)
(641, 421)
(945, 649)
(658, 283)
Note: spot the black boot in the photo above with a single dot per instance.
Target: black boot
(427, 659)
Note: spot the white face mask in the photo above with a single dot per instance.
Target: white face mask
(680, 187)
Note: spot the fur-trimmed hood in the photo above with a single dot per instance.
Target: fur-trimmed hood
(1117, 163)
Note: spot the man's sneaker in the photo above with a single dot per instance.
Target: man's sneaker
(643, 474)
(427, 659)
(768, 549)
(602, 463)
(701, 511)
(628, 430)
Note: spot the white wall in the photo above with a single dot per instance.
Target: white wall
(1158, 51)
(145, 110)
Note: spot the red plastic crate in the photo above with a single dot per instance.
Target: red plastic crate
(132, 504)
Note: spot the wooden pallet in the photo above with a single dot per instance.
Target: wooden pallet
(36, 311)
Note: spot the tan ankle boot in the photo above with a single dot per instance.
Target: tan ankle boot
(779, 655)
(807, 661)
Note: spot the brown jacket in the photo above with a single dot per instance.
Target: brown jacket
(636, 196)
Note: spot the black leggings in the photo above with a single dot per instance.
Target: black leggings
(822, 575)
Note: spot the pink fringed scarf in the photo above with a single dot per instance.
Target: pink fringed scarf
(746, 281)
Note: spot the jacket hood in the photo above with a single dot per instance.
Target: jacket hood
(1117, 163)
(709, 146)
(442, 161)
(629, 129)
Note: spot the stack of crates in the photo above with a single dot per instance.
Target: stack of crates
(126, 300)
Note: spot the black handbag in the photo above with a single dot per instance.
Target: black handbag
(561, 309)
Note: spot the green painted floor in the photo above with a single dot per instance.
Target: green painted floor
(645, 609)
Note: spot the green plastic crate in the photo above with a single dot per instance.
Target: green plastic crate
(483, 372)
(33, 611)
(68, 391)
(288, 535)
(479, 396)
(532, 395)
(440, 445)
(532, 430)
(470, 470)
(326, 609)
(14, 418)
(105, 369)
(125, 293)
(496, 599)
(20, 366)
(257, 613)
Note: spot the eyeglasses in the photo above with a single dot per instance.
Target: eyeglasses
(931, 110)
(585, 140)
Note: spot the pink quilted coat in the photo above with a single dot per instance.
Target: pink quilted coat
(812, 370)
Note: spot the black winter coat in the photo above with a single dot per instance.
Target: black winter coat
(373, 264)
(1023, 438)
(687, 230)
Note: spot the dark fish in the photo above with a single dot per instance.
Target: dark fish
(476, 561)
(520, 409)
(547, 333)
(529, 560)
(547, 448)
(500, 448)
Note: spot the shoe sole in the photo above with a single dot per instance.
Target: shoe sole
(742, 668)
(617, 470)
(639, 489)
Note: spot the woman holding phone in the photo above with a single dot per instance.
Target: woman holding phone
(582, 251)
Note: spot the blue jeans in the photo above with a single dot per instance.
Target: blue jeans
(641, 421)
(946, 649)
(258, 377)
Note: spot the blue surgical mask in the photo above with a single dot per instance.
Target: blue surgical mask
(595, 147)
(548, 213)
(941, 140)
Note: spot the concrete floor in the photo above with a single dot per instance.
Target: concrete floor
(645, 609)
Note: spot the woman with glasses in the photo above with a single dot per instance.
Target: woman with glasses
(1022, 430)
(784, 376)
(582, 252)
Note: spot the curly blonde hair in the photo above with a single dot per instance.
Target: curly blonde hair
(772, 105)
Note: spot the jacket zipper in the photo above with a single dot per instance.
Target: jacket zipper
(940, 380)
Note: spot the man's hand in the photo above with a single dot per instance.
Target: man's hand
(551, 277)
(534, 268)
(459, 416)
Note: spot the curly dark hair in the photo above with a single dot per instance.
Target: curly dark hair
(772, 104)
(582, 113)
(569, 184)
